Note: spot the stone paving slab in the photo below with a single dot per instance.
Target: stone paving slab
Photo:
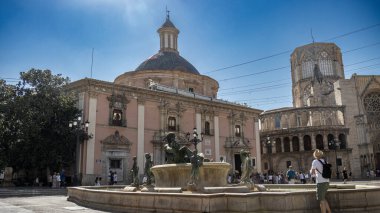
(42, 204)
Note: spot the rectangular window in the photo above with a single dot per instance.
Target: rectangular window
(115, 164)
(339, 161)
(265, 165)
(207, 128)
(253, 161)
(237, 131)
(171, 124)
(117, 116)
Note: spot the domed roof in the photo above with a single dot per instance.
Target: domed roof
(166, 60)
(168, 23)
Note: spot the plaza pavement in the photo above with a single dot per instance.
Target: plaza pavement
(41, 200)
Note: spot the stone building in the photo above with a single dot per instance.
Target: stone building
(329, 113)
(132, 115)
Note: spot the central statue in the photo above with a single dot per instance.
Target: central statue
(174, 152)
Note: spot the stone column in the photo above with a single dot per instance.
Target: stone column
(140, 134)
(291, 144)
(282, 144)
(302, 146)
(216, 138)
(325, 142)
(90, 161)
(198, 123)
(258, 151)
(313, 143)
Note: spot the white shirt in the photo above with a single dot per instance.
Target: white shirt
(318, 171)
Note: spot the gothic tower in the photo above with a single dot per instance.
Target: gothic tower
(315, 68)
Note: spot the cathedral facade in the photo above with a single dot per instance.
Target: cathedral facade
(329, 112)
(165, 94)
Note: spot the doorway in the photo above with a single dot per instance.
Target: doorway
(237, 163)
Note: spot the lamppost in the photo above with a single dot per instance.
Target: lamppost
(81, 132)
(195, 139)
(268, 143)
(335, 144)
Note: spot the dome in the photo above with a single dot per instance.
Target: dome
(166, 60)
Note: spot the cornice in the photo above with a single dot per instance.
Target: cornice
(98, 86)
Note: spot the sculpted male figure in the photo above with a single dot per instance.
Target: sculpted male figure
(246, 166)
(196, 162)
(135, 173)
(148, 165)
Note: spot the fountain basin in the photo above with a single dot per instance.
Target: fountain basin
(211, 174)
(356, 198)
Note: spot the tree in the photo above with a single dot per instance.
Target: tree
(34, 117)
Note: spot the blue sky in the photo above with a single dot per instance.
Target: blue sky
(59, 35)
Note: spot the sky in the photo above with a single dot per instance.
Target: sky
(243, 44)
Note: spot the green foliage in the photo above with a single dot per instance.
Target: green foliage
(34, 117)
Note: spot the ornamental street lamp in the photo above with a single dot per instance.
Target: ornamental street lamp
(335, 144)
(268, 143)
(81, 131)
(195, 139)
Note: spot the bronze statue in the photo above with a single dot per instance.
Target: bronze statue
(174, 152)
(246, 166)
(135, 173)
(148, 164)
(196, 163)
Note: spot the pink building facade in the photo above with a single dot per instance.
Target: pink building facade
(165, 94)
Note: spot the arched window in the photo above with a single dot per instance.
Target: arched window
(172, 124)
(286, 144)
(295, 144)
(330, 138)
(307, 143)
(319, 141)
(277, 121)
(278, 145)
(372, 107)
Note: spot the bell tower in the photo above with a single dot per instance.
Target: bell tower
(168, 35)
(315, 68)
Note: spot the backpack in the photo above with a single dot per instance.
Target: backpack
(326, 172)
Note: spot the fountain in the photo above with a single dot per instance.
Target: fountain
(196, 186)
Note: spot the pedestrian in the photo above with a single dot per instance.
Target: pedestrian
(58, 177)
(345, 175)
(96, 181)
(322, 183)
(114, 178)
(291, 175)
(110, 176)
(54, 181)
(63, 178)
(50, 180)
(302, 177)
(37, 181)
(270, 178)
